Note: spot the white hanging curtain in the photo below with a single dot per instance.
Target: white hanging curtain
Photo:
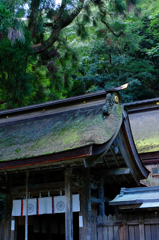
(44, 205)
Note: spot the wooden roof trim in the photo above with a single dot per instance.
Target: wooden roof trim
(46, 159)
(137, 168)
(41, 114)
(142, 106)
(99, 150)
(65, 102)
(150, 157)
(141, 102)
(56, 103)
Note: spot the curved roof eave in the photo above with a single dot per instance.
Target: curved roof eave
(127, 148)
(138, 169)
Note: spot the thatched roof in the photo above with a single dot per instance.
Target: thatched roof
(57, 132)
(144, 120)
(145, 128)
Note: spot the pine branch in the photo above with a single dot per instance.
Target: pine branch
(48, 25)
(41, 47)
(58, 24)
(32, 19)
(73, 15)
(106, 24)
(111, 30)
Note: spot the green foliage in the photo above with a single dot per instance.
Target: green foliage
(112, 61)
(120, 6)
(6, 19)
(108, 43)
(15, 81)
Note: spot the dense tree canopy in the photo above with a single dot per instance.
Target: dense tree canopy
(51, 50)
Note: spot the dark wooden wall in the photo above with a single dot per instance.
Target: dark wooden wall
(136, 226)
(2, 230)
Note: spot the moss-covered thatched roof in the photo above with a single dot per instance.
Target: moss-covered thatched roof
(58, 132)
(145, 129)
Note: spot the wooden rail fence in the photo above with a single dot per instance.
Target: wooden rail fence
(137, 226)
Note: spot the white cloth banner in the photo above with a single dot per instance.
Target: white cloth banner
(45, 205)
(59, 204)
(32, 206)
(17, 208)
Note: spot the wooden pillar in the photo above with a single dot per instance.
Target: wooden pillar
(68, 205)
(8, 210)
(26, 216)
(101, 196)
(141, 227)
(85, 213)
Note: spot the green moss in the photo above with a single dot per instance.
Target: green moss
(61, 132)
(147, 145)
(17, 150)
(145, 129)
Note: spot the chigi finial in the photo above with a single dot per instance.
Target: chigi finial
(112, 98)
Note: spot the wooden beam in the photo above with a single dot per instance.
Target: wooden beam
(68, 205)
(101, 196)
(39, 187)
(8, 210)
(117, 171)
(88, 202)
(127, 157)
(19, 191)
(96, 200)
(105, 159)
(112, 172)
(116, 160)
(85, 213)
(46, 160)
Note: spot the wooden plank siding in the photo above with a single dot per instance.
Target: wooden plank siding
(131, 226)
